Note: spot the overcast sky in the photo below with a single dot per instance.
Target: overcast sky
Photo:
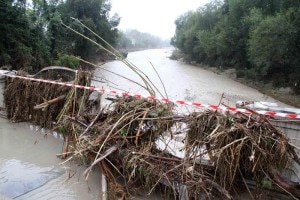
(153, 16)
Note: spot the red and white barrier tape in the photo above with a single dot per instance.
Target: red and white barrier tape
(179, 102)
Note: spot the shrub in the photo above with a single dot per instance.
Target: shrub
(66, 60)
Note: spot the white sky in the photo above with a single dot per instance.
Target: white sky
(156, 17)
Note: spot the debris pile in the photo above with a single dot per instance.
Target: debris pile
(41, 103)
(122, 138)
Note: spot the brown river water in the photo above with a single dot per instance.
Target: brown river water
(29, 168)
(181, 81)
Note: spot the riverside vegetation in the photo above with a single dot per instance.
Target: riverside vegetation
(32, 35)
(260, 39)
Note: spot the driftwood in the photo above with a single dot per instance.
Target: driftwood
(65, 148)
(106, 153)
(92, 123)
(49, 102)
(286, 184)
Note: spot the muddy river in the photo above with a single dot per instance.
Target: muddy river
(180, 80)
(29, 168)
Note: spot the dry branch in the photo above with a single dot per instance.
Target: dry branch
(49, 102)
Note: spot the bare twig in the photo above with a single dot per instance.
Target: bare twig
(106, 153)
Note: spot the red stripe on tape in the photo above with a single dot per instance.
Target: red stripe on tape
(214, 107)
(293, 116)
(196, 104)
(270, 113)
(181, 102)
(166, 100)
(138, 96)
(152, 98)
(231, 109)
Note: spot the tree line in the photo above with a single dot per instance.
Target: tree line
(32, 35)
(259, 38)
(134, 40)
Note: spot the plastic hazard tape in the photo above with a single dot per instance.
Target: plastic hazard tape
(165, 100)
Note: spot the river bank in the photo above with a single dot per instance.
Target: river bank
(284, 95)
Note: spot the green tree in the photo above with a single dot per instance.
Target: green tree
(33, 37)
(14, 34)
(269, 48)
(124, 42)
(138, 40)
(95, 15)
(191, 26)
(260, 38)
(293, 16)
(23, 40)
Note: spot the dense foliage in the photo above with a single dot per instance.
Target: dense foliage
(32, 36)
(134, 40)
(259, 38)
